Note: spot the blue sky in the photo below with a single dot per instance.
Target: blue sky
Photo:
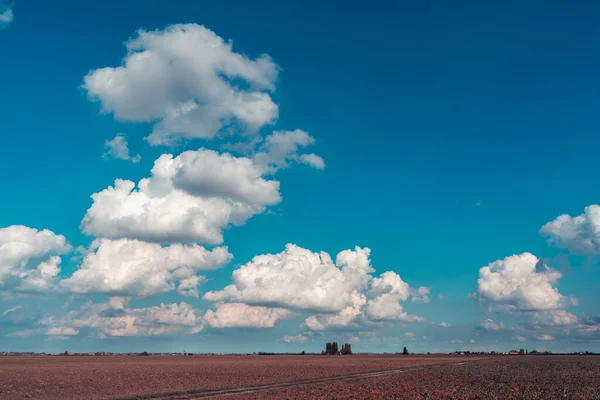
(441, 137)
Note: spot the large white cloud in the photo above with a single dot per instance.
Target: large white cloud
(188, 82)
(300, 279)
(521, 281)
(341, 293)
(580, 234)
(191, 198)
(29, 258)
(238, 315)
(134, 268)
(523, 285)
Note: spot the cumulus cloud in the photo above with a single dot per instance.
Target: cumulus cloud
(119, 149)
(580, 234)
(134, 268)
(6, 15)
(189, 83)
(29, 258)
(522, 282)
(190, 198)
(298, 339)
(387, 307)
(524, 286)
(445, 325)
(238, 315)
(115, 319)
(492, 325)
(300, 280)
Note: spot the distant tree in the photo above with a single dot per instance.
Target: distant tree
(405, 352)
(145, 353)
(303, 352)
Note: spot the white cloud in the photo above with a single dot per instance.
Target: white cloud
(191, 197)
(521, 281)
(313, 160)
(118, 148)
(552, 318)
(580, 235)
(62, 331)
(6, 16)
(421, 295)
(445, 325)
(387, 307)
(184, 79)
(115, 319)
(545, 338)
(492, 325)
(238, 315)
(28, 258)
(520, 338)
(298, 339)
(22, 333)
(282, 147)
(300, 280)
(135, 268)
(10, 310)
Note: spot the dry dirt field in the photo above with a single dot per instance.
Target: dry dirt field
(299, 377)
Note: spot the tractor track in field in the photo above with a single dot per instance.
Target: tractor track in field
(232, 391)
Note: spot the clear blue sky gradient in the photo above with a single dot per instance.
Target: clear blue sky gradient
(452, 131)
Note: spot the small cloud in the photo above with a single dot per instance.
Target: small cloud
(23, 333)
(472, 340)
(478, 204)
(520, 338)
(546, 338)
(10, 310)
(313, 160)
(6, 15)
(445, 325)
(62, 331)
(492, 325)
(457, 341)
(118, 148)
(354, 339)
(298, 339)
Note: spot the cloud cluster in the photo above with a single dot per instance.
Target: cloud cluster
(189, 198)
(118, 148)
(189, 83)
(135, 268)
(115, 319)
(525, 285)
(29, 259)
(521, 281)
(239, 315)
(580, 234)
(300, 280)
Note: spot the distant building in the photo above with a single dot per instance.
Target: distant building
(331, 349)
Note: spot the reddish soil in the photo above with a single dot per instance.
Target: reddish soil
(301, 377)
(545, 377)
(83, 377)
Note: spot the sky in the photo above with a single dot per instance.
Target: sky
(269, 176)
